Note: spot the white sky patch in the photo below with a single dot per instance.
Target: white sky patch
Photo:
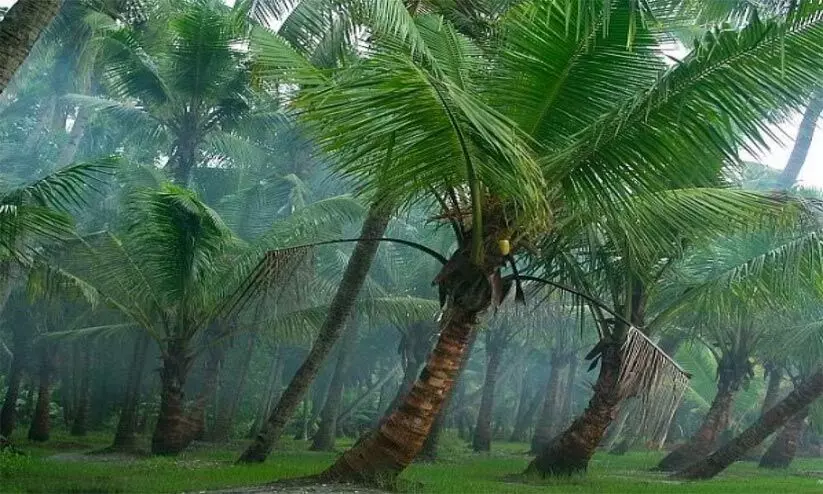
(776, 156)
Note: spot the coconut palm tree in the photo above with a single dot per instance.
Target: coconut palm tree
(445, 130)
(187, 88)
(174, 270)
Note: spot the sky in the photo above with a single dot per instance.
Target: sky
(776, 156)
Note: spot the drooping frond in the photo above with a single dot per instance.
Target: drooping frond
(654, 378)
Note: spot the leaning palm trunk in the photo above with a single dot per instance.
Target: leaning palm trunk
(19, 30)
(779, 415)
(390, 449)
(803, 142)
(341, 307)
(571, 451)
(781, 453)
(716, 421)
(635, 367)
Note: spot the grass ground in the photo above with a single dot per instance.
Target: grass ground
(61, 466)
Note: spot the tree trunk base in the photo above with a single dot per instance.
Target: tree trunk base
(681, 458)
(559, 460)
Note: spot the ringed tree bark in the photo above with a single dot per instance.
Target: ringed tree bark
(173, 431)
(468, 287)
(19, 30)
(803, 396)
(630, 366)
(732, 373)
(374, 226)
(571, 451)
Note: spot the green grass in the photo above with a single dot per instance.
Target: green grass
(60, 466)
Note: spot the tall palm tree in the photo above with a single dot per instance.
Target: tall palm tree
(187, 88)
(20, 28)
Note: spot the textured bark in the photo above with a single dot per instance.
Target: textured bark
(714, 424)
(570, 452)
(805, 134)
(482, 438)
(232, 392)
(81, 413)
(126, 435)
(546, 427)
(41, 421)
(779, 415)
(327, 431)
(172, 433)
(415, 347)
(387, 451)
(339, 312)
(782, 451)
(19, 30)
(430, 447)
(184, 152)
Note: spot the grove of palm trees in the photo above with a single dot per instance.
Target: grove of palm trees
(425, 246)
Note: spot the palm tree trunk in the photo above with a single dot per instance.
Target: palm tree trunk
(125, 437)
(327, 431)
(340, 310)
(172, 433)
(570, 452)
(780, 414)
(81, 412)
(41, 421)
(387, 451)
(805, 134)
(211, 376)
(19, 30)
(227, 409)
(482, 430)
(781, 453)
(546, 423)
(566, 410)
(716, 421)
